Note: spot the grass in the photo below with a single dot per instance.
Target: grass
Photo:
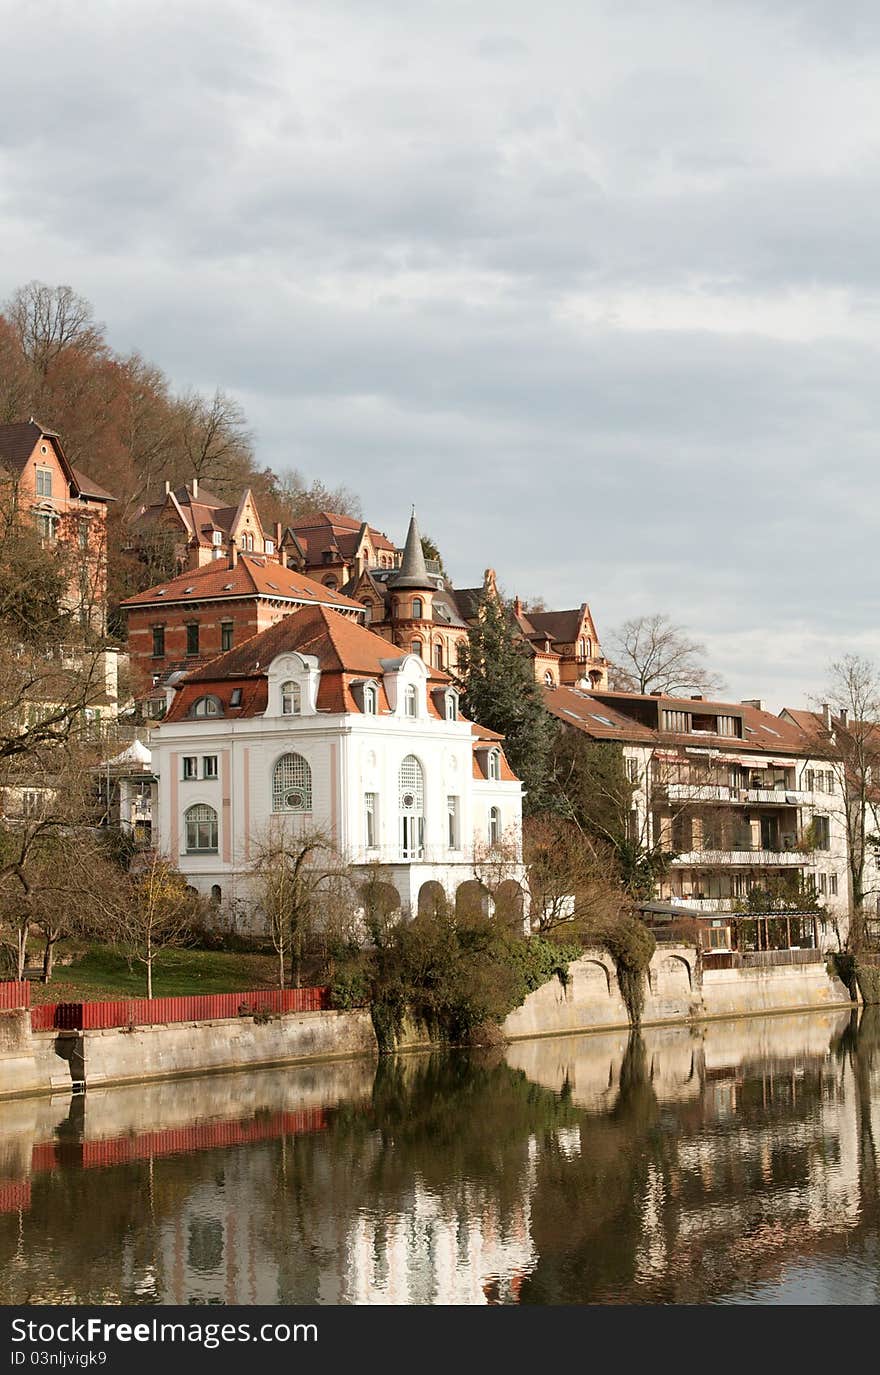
(100, 972)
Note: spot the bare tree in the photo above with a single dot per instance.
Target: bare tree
(146, 911)
(847, 738)
(215, 440)
(651, 653)
(574, 886)
(49, 319)
(297, 878)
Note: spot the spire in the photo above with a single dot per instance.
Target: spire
(412, 572)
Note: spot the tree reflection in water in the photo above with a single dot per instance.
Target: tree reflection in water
(679, 1165)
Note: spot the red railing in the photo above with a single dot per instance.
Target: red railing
(201, 1007)
(15, 1195)
(14, 995)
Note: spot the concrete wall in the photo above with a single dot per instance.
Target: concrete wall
(677, 992)
(45, 1061)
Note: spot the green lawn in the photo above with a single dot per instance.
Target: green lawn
(102, 973)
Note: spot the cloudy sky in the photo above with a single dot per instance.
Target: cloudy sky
(596, 285)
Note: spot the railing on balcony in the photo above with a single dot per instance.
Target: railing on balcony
(743, 857)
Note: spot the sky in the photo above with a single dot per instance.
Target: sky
(596, 286)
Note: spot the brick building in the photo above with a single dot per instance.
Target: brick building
(179, 624)
(202, 528)
(66, 507)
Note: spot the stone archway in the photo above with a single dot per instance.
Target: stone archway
(471, 900)
(433, 901)
(510, 904)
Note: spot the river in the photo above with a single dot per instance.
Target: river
(730, 1162)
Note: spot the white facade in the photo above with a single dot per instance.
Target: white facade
(390, 782)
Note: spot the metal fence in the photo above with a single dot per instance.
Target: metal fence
(759, 959)
(14, 995)
(203, 1007)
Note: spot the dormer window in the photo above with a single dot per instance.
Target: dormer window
(371, 700)
(217, 536)
(451, 706)
(269, 546)
(410, 701)
(291, 699)
(493, 766)
(206, 706)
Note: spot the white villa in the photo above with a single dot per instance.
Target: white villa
(320, 724)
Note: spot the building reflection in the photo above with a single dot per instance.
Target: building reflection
(683, 1165)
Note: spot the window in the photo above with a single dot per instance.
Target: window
(291, 699)
(330, 584)
(452, 706)
(292, 785)
(368, 612)
(44, 482)
(582, 649)
(493, 766)
(417, 608)
(370, 820)
(822, 830)
(47, 525)
(235, 697)
(269, 546)
(192, 639)
(494, 825)
(371, 700)
(823, 885)
(727, 725)
(811, 780)
(158, 642)
(833, 885)
(82, 534)
(632, 770)
(209, 766)
(217, 537)
(216, 894)
(201, 828)
(226, 629)
(452, 823)
(412, 808)
(206, 706)
(438, 656)
(410, 700)
(190, 766)
(416, 648)
(548, 678)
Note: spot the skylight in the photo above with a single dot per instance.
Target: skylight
(606, 720)
(227, 587)
(272, 584)
(770, 730)
(188, 589)
(162, 591)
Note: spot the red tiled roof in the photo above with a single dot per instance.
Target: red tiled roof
(17, 443)
(327, 530)
(631, 717)
(253, 576)
(561, 626)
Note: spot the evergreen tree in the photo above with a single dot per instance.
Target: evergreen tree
(500, 693)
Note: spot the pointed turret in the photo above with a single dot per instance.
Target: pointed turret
(412, 573)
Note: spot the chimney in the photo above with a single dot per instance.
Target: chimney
(755, 702)
(517, 606)
(167, 487)
(826, 715)
(696, 696)
(842, 716)
(233, 552)
(195, 486)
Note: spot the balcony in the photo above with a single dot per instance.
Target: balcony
(695, 792)
(705, 904)
(745, 859)
(776, 797)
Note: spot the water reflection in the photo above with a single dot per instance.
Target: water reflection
(726, 1162)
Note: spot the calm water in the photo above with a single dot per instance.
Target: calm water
(730, 1163)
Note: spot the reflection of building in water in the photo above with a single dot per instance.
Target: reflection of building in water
(455, 1248)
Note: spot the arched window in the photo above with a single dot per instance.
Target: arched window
(410, 700)
(582, 649)
(216, 894)
(452, 706)
(494, 825)
(291, 699)
(494, 766)
(371, 700)
(206, 706)
(201, 828)
(417, 608)
(589, 648)
(292, 785)
(416, 648)
(368, 611)
(460, 653)
(412, 808)
(548, 678)
(438, 655)
(330, 583)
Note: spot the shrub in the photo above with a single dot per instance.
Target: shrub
(631, 945)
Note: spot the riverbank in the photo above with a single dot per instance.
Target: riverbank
(679, 990)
